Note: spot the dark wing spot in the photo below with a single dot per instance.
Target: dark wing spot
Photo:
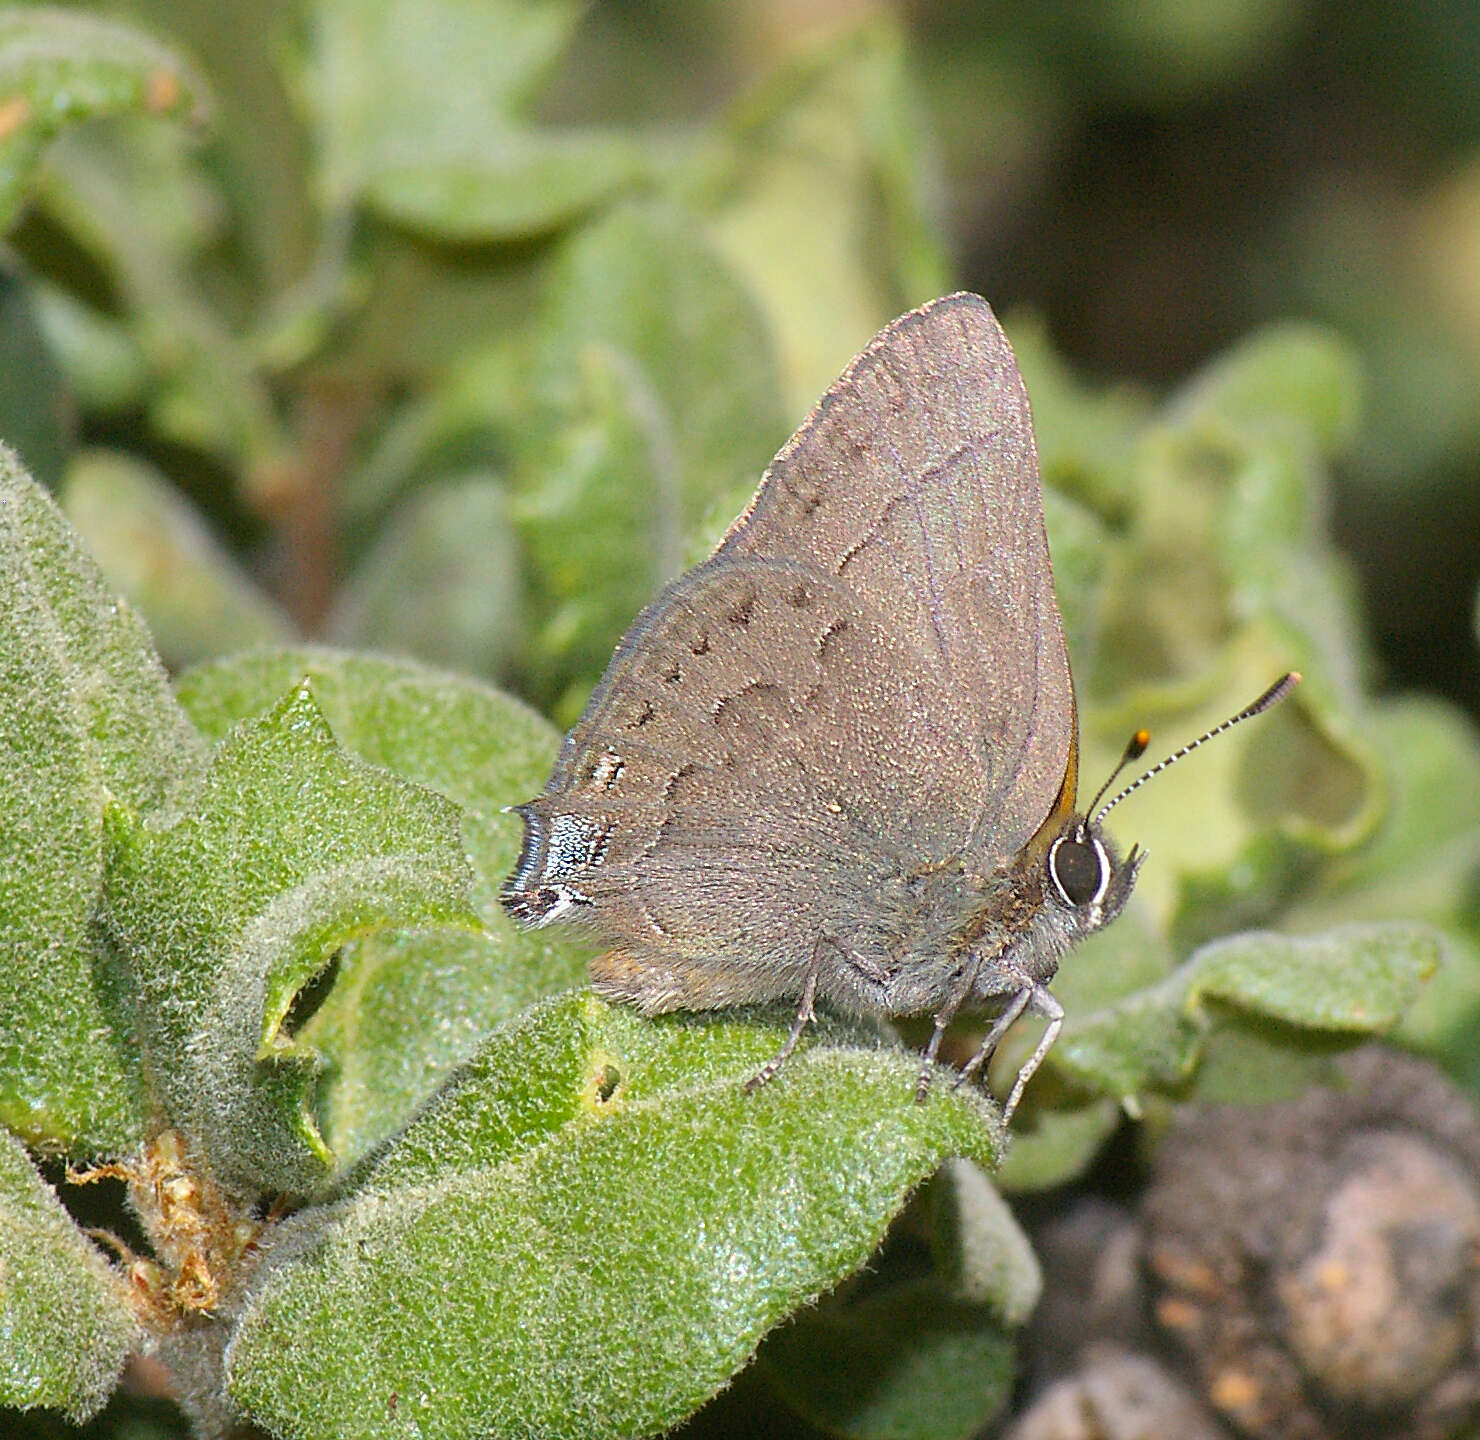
(642, 715)
(699, 645)
(673, 674)
(743, 610)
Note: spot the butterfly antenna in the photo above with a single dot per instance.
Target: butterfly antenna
(1137, 747)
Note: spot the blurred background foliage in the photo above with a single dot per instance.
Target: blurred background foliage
(408, 269)
(454, 327)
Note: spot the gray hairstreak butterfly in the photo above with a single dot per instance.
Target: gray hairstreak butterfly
(837, 761)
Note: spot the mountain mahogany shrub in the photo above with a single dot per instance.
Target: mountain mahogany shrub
(400, 364)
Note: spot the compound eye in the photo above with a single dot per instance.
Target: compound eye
(1080, 869)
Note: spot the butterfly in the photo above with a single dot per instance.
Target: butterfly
(837, 761)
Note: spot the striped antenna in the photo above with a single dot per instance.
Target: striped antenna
(1271, 697)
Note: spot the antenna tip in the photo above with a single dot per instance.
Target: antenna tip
(1276, 692)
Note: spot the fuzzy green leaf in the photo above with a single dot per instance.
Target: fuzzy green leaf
(59, 68)
(156, 549)
(910, 1362)
(85, 713)
(1352, 981)
(980, 1249)
(220, 920)
(408, 1006)
(65, 1325)
(620, 1222)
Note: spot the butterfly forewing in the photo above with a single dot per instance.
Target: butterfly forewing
(762, 726)
(866, 679)
(945, 534)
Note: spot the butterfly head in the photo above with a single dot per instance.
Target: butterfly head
(1085, 879)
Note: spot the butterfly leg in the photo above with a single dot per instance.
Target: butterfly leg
(804, 1017)
(1003, 1023)
(1042, 1003)
(947, 1012)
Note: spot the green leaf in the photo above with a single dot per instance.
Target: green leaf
(906, 1363)
(293, 848)
(1296, 377)
(85, 713)
(1445, 1020)
(65, 1325)
(408, 1006)
(1230, 831)
(521, 183)
(35, 406)
(1355, 980)
(420, 109)
(442, 581)
(1421, 860)
(624, 1223)
(103, 364)
(980, 1250)
(400, 312)
(146, 209)
(390, 83)
(1078, 545)
(59, 68)
(1051, 1147)
(1224, 549)
(1422, 863)
(815, 195)
(1087, 435)
(655, 393)
(154, 546)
